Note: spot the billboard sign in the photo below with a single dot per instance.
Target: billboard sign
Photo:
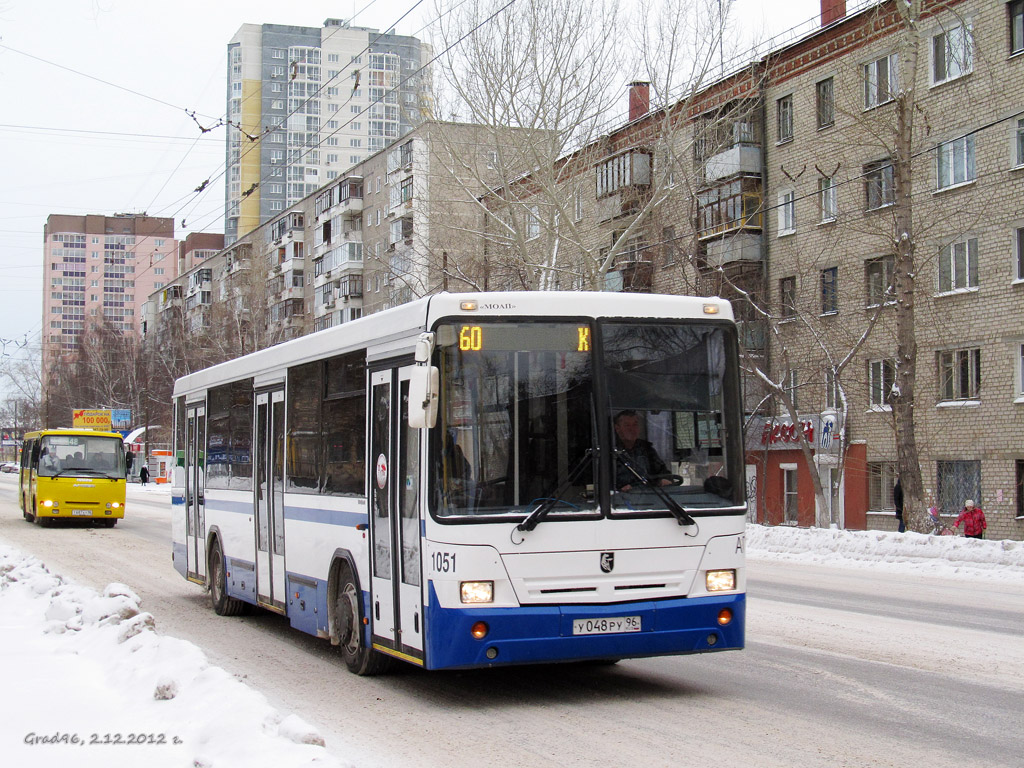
(91, 419)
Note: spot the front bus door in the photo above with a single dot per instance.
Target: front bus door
(195, 492)
(397, 596)
(269, 501)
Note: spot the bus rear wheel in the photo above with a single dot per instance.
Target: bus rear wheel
(223, 605)
(348, 616)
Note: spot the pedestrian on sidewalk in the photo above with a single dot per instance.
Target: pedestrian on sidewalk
(897, 500)
(144, 474)
(973, 519)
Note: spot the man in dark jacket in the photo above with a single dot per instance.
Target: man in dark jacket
(640, 453)
(897, 500)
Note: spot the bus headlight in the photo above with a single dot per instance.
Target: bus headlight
(47, 503)
(721, 581)
(477, 591)
(113, 505)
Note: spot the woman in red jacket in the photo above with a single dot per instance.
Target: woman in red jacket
(973, 519)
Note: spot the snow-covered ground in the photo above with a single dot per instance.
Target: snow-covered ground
(88, 681)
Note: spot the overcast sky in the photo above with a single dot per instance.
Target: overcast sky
(96, 96)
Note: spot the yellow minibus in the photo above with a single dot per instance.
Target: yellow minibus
(76, 474)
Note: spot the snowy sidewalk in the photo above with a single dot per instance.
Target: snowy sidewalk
(88, 682)
(951, 556)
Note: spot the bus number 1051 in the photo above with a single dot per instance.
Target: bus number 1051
(443, 562)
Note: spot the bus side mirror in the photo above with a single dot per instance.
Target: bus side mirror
(423, 386)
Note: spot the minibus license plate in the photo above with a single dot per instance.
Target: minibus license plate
(85, 512)
(606, 626)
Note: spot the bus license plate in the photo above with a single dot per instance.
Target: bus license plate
(85, 512)
(606, 626)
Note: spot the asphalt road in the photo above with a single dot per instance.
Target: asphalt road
(842, 668)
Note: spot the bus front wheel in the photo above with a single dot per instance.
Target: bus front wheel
(223, 605)
(348, 615)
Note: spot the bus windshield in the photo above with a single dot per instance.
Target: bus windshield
(81, 456)
(677, 444)
(516, 425)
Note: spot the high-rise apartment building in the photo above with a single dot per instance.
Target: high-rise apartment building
(306, 103)
(100, 270)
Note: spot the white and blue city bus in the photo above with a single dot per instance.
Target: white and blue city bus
(473, 480)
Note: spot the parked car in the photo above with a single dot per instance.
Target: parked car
(9, 466)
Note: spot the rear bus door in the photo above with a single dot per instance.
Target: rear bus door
(195, 491)
(269, 499)
(396, 592)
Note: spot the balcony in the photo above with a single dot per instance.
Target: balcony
(737, 159)
(626, 202)
(738, 247)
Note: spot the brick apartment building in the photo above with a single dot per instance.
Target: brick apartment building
(773, 186)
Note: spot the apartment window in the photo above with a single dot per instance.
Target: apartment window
(792, 384)
(277, 104)
(789, 492)
(956, 162)
(833, 396)
(787, 296)
(879, 275)
(958, 480)
(1019, 365)
(826, 105)
(952, 53)
(668, 246)
(277, 53)
(960, 374)
(578, 206)
(533, 223)
(1018, 141)
(958, 265)
(784, 108)
(880, 184)
(787, 212)
(827, 198)
(881, 377)
(1016, 11)
(1018, 239)
(881, 80)
(881, 479)
(1020, 488)
(829, 290)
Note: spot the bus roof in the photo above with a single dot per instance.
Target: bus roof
(84, 431)
(395, 330)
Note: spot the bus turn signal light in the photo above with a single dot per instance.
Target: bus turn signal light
(724, 617)
(479, 630)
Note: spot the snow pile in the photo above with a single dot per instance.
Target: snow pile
(940, 555)
(88, 682)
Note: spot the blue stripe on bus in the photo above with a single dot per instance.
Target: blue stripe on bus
(305, 514)
(533, 634)
(327, 516)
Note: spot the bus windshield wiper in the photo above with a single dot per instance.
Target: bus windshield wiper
(680, 514)
(547, 503)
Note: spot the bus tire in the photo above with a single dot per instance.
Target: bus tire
(348, 613)
(36, 517)
(223, 604)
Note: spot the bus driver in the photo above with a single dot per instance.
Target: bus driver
(638, 451)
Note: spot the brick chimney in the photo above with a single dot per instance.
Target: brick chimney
(832, 10)
(640, 98)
